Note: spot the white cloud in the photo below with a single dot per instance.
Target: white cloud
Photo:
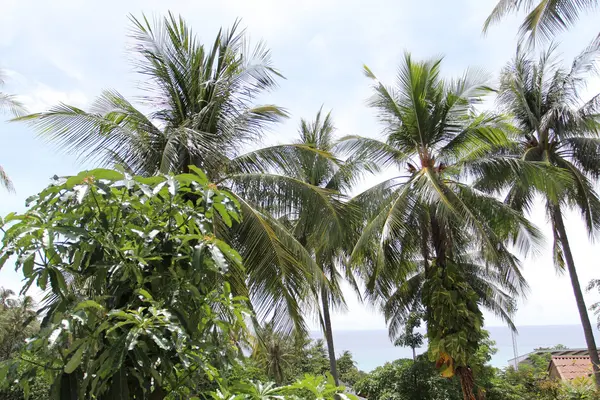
(43, 97)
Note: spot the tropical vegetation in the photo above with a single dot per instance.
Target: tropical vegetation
(554, 125)
(544, 18)
(203, 114)
(433, 242)
(187, 265)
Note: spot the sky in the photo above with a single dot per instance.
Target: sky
(69, 51)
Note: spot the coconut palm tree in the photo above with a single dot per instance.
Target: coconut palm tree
(12, 105)
(274, 351)
(429, 231)
(17, 322)
(557, 127)
(203, 112)
(544, 18)
(6, 299)
(320, 168)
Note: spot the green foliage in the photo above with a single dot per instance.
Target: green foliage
(479, 362)
(531, 381)
(138, 300)
(554, 126)
(284, 357)
(410, 338)
(544, 18)
(407, 380)
(203, 112)
(310, 387)
(455, 322)
(431, 240)
(349, 373)
(557, 128)
(17, 322)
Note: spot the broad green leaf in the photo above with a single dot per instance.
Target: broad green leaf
(223, 213)
(71, 232)
(28, 266)
(75, 180)
(150, 181)
(9, 217)
(186, 178)
(57, 281)
(145, 294)
(5, 256)
(230, 253)
(198, 256)
(218, 258)
(88, 304)
(3, 371)
(108, 174)
(75, 360)
(43, 279)
(203, 178)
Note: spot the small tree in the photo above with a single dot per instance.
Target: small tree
(17, 322)
(138, 303)
(410, 338)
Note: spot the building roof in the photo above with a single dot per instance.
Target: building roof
(558, 353)
(570, 367)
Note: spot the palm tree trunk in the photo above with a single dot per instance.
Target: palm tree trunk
(467, 382)
(581, 307)
(329, 336)
(414, 355)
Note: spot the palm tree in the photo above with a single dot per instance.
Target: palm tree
(6, 299)
(12, 105)
(203, 114)
(544, 17)
(556, 127)
(427, 230)
(17, 322)
(274, 351)
(326, 242)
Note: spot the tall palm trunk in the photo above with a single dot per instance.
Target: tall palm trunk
(329, 336)
(581, 307)
(467, 382)
(465, 374)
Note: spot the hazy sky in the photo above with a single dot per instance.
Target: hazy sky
(68, 51)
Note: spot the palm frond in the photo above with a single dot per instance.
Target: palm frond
(582, 196)
(5, 181)
(9, 102)
(373, 150)
(113, 126)
(584, 152)
(279, 270)
(280, 158)
(544, 19)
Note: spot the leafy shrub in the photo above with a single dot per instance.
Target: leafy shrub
(139, 300)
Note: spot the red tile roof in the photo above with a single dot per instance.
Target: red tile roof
(571, 367)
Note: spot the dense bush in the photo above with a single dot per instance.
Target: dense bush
(139, 303)
(407, 380)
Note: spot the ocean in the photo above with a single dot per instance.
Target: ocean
(372, 348)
